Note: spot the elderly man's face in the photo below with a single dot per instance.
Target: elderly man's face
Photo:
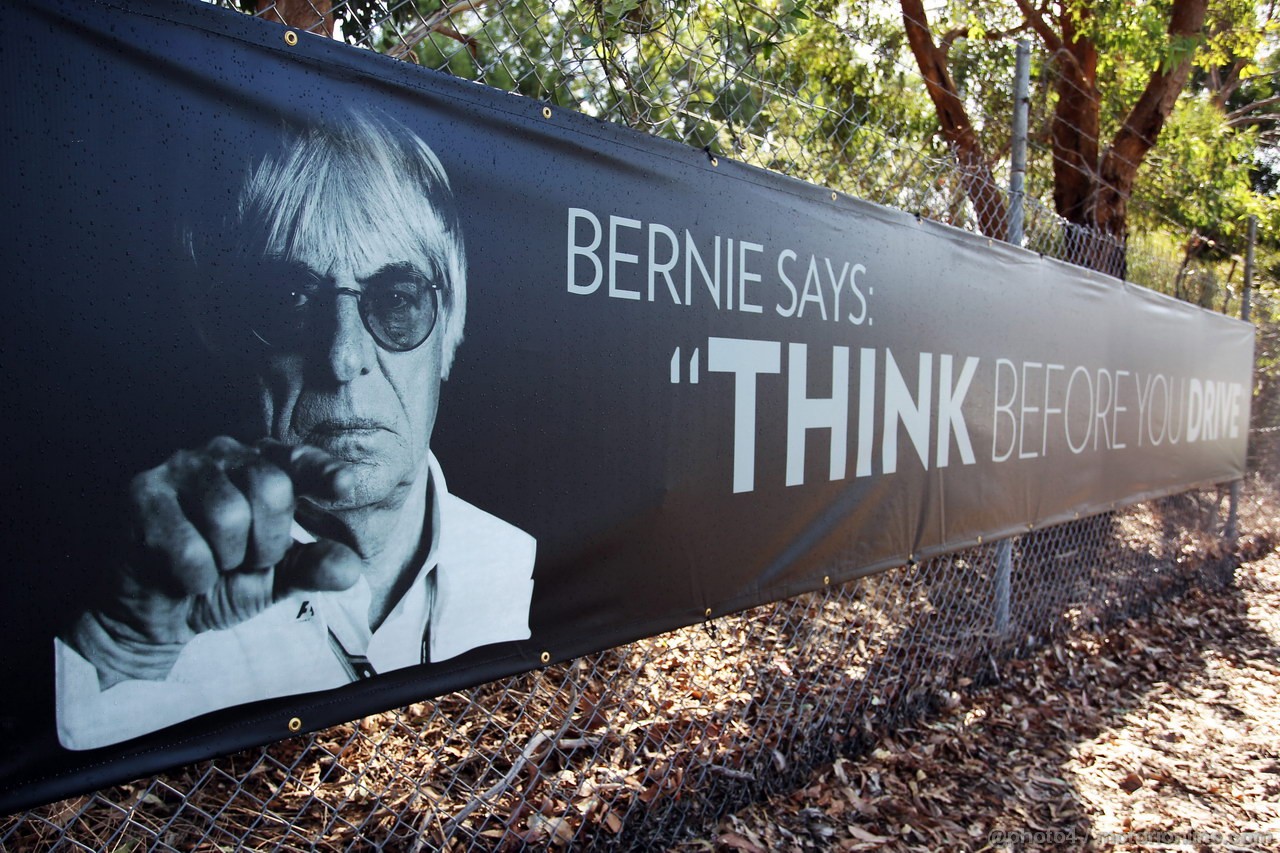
(343, 392)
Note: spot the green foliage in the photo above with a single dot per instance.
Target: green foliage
(1207, 173)
(1210, 172)
(828, 92)
(1198, 175)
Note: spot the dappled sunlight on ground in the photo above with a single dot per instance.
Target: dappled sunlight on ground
(1163, 730)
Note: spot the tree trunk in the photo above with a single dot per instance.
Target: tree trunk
(1142, 126)
(313, 16)
(975, 172)
(1075, 121)
(1091, 189)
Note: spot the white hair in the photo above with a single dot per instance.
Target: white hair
(349, 191)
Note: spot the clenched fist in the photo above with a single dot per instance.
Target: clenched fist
(211, 545)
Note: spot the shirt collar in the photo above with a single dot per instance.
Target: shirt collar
(397, 642)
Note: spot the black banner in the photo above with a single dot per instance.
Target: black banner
(333, 383)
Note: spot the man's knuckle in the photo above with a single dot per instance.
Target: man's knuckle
(191, 553)
(159, 536)
(273, 491)
(205, 468)
(193, 563)
(230, 515)
(143, 488)
(183, 460)
(223, 444)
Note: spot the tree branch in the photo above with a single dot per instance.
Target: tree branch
(1076, 121)
(1248, 108)
(1137, 135)
(1246, 121)
(1035, 19)
(949, 37)
(312, 16)
(1225, 88)
(975, 172)
(435, 22)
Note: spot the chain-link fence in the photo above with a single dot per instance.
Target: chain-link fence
(821, 91)
(645, 745)
(1264, 437)
(641, 747)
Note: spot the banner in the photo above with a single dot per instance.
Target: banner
(333, 383)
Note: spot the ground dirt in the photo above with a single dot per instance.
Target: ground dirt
(1161, 732)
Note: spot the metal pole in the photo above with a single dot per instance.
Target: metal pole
(1248, 268)
(1004, 571)
(1017, 182)
(1233, 504)
(1233, 509)
(1018, 158)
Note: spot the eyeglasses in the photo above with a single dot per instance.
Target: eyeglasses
(398, 305)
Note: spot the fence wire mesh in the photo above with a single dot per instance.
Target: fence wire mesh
(644, 746)
(821, 91)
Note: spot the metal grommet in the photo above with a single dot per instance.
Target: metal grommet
(291, 38)
(715, 161)
(826, 580)
(979, 540)
(833, 195)
(545, 657)
(708, 613)
(546, 112)
(295, 723)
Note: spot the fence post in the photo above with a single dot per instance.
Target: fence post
(1233, 504)
(1248, 268)
(1017, 177)
(1018, 157)
(1004, 572)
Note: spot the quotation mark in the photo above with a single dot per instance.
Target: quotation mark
(693, 367)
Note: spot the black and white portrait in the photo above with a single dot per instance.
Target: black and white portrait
(321, 545)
